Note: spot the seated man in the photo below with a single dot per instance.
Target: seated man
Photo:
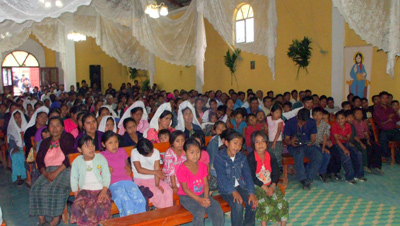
(386, 118)
(300, 135)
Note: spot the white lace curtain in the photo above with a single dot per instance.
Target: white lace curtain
(376, 22)
(124, 32)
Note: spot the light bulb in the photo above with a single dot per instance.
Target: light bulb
(148, 9)
(59, 4)
(156, 13)
(47, 4)
(41, 1)
(164, 10)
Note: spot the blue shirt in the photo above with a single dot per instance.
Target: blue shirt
(249, 110)
(238, 104)
(241, 126)
(292, 128)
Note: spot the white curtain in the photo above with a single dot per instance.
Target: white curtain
(33, 10)
(124, 32)
(376, 22)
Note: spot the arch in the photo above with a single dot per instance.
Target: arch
(20, 58)
(244, 23)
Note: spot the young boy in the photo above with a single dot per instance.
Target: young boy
(351, 159)
(321, 142)
(355, 140)
(396, 106)
(374, 160)
(287, 106)
(238, 122)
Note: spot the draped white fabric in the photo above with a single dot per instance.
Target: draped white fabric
(220, 14)
(124, 32)
(376, 22)
(32, 10)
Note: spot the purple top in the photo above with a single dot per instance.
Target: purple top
(381, 117)
(97, 140)
(38, 134)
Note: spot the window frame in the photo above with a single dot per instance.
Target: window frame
(245, 18)
(16, 60)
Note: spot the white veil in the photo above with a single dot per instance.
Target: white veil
(13, 131)
(127, 113)
(181, 122)
(32, 121)
(103, 122)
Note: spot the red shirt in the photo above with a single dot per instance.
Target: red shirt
(250, 130)
(337, 129)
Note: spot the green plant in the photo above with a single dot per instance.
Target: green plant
(300, 53)
(146, 85)
(133, 73)
(231, 61)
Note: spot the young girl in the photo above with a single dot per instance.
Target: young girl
(261, 120)
(239, 125)
(146, 168)
(125, 193)
(107, 123)
(90, 179)
(265, 171)
(131, 135)
(173, 158)
(252, 126)
(235, 183)
(15, 147)
(207, 126)
(193, 193)
(275, 129)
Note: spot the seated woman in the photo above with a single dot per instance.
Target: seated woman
(139, 113)
(272, 206)
(131, 135)
(50, 192)
(37, 121)
(72, 123)
(107, 123)
(15, 146)
(187, 123)
(89, 125)
(162, 119)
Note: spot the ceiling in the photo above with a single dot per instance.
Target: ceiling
(175, 4)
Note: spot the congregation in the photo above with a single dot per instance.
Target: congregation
(243, 160)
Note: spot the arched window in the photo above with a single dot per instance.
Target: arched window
(244, 24)
(20, 59)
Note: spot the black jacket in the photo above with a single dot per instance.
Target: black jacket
(253, 166)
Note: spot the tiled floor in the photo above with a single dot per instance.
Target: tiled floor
(376, 202)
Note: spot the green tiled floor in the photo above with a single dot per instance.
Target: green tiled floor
(376, 202)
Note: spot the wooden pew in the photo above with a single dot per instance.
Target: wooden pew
(287, 160)
(174, 215)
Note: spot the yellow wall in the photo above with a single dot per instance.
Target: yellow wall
(380, 81)
(89, 53)
(293, 23)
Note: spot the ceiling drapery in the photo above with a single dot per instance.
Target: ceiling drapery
(376, 22)
(124, 32)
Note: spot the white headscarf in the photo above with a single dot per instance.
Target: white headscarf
(181, 122)
(103, 122)
(109, 109)
(32, 121)
(25, 103)
(127, 113)
(13, 130)
(154, 121)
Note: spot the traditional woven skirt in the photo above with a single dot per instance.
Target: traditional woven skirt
(273, 208)
(49, 198)
(88, 210)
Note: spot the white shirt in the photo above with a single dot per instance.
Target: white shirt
(236, 181)
(332, 110)
(145, 162)
(245, 105)
(91, 183)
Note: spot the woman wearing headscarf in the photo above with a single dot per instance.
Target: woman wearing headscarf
(107, 123)
(50, 192)
(187, 123)
(139, 113)
(37, 122)
(15, 146)
(162, 119)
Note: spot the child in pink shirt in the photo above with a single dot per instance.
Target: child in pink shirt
(193, 192)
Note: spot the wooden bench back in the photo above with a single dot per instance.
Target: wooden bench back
(208, 138)
(375, 130)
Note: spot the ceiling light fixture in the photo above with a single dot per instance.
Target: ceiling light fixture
(76, 37)
(155, 11)
(50, 3)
